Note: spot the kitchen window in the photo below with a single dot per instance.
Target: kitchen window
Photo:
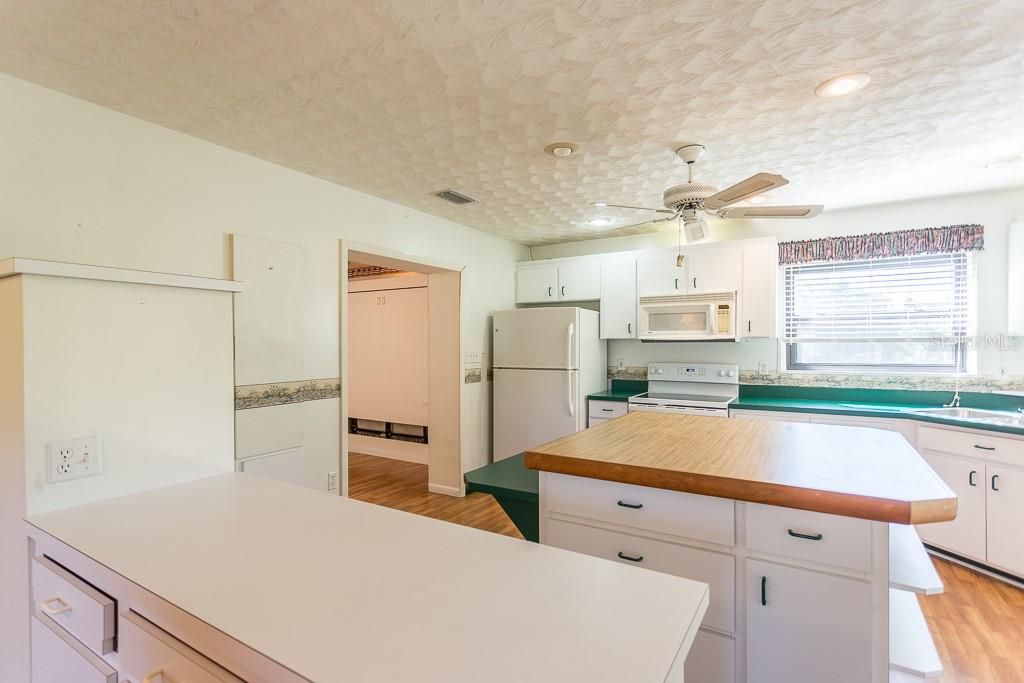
(902, 313)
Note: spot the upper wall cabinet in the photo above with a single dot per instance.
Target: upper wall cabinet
(618, 297)
(757, 314)
(577, 279)
(536, 284)
(712, 269)
(747, 267)
(658, 275)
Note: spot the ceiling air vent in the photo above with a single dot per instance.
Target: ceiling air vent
(454, 197)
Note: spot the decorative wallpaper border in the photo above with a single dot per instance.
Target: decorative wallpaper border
(282, 393)
(473, 376)
(972, 383)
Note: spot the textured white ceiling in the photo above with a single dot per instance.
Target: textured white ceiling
(404, 97)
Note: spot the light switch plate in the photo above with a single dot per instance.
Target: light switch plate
(74, 459)
(332, 481)
(472, 358)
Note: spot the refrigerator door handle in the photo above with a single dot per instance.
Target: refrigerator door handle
(570, 337)
(572, 402)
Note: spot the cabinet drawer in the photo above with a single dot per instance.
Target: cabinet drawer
(594, 421)
(148, 651)
(970, 444)
(74, 605)
(607, 409)
(59, 658)
(682, 514)
(715, 569)
(811, 536)
(712, 659)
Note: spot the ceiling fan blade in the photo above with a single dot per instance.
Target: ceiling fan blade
(752, 186)
(624, 206)
(804, 211)
(638, 225)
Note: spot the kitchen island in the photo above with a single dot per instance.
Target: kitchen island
(241, 578)
(800, 530)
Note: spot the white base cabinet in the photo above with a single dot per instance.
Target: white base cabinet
(795, 596)
(806, 625)
(986, 471)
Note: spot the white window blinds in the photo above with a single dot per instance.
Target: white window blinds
(907, 298)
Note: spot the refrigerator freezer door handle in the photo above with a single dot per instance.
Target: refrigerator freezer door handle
(570, 337)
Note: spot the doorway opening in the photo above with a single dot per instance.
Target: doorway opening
(400, 359)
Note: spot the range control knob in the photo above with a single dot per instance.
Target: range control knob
(732, 373)
(721, 373)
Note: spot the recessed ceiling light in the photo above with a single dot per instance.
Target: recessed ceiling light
(599, 222)
(842, 85)
(600, 204)
(758, 199)
(561, 149)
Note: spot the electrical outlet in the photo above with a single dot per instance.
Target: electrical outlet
(332, 481)
(74, 459)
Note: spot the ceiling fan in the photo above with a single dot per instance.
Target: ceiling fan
(686, 201)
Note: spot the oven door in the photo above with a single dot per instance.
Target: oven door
(677, 410)
(673, 318)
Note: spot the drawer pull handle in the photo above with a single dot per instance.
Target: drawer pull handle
(764, 591)
(807, 537)
(995, 478)
(55, 606)
(971, 476)
(607, 410)
(984, 448)
(624, 556)
(631, 506)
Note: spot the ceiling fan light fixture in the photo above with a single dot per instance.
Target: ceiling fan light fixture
(599, 222)
(842, 85)
(561, 149)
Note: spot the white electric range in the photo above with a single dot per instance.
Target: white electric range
(689, 389)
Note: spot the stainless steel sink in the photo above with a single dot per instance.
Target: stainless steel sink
(975, 415)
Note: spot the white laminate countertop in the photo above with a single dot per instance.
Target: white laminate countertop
(339, 590)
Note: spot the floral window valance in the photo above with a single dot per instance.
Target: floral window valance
(944, 240)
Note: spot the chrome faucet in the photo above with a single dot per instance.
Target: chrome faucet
(955, 403)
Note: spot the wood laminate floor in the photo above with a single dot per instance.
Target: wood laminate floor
(977, 624)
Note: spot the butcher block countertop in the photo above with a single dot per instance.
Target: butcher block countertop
(850, 471)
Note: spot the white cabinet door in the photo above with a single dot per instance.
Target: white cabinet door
(536, 284)
(806, 627)
(579, 279)
(657, 274)
(618, 298)
(712, 269)
(1005, 510)
(759, 282)
(965, 535)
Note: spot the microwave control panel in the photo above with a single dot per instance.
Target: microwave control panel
(724, 323)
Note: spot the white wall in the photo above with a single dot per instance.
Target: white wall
(86, 184)
(995, 210)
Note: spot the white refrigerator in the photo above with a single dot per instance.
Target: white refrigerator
(546, 361)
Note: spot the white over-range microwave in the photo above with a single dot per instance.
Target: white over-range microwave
(688, 317)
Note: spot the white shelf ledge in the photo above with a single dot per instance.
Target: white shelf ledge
(911, 650)
(910, 565)
(26, 266)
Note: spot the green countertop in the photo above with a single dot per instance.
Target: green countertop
(613, 395)
(621, 390)
(900, 410)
